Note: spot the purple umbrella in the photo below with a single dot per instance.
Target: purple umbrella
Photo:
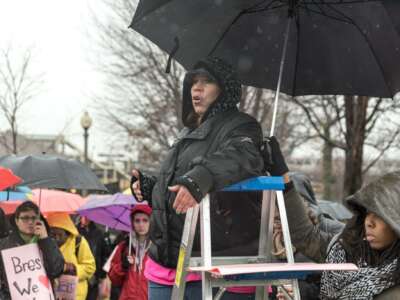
(110, 210)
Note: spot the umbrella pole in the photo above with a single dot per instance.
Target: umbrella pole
(282, 64)
(40, 198)
(130, 243)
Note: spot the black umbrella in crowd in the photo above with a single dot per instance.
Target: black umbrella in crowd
(49, 171)
(300, 47)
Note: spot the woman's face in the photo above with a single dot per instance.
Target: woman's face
(59, 234)
(141, 223)
(378, 234)
(204, 93)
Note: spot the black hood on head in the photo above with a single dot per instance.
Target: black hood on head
(227, 80)
(381, 197)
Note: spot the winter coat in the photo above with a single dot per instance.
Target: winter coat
(84, 261)
(303, 186)
(380, 197)
(133, 283)
(53, 260)
(222, 150)
(100, 250)
(4, 225)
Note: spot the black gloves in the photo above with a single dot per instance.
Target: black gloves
(146, 185)
(273, 159)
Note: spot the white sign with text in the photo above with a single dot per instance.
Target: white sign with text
(26, 276)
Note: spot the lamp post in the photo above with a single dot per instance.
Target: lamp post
(86, 122)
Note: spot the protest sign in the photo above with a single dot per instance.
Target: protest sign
(26, 276)
(66, 287)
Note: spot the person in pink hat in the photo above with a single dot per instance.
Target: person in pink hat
(127, 265)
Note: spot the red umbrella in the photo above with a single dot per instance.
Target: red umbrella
(9, 207)
(8, 179)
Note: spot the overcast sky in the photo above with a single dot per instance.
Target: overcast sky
(56, 30)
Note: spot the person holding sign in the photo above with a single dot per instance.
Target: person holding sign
(127, 266)
(29, 227)
(79, 260)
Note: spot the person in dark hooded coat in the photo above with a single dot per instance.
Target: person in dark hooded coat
(370, 240)
(219, 146)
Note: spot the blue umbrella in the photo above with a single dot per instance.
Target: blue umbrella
(19, 193)
(110, 210)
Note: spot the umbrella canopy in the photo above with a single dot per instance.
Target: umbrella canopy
(334, 209)
(11, 199)
(8, 179)
(333, 47)
(11, 195)
(52, 201)
(9, 207)
(49, 171)
(110, 210)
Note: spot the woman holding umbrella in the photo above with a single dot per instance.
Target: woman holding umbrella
(127, 265)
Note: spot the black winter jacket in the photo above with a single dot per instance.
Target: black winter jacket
(222, 150)
(97, 240)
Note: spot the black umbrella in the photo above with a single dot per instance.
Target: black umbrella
(349, 47)
(49, 171)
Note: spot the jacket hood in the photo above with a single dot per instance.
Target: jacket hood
(381, 197)
(303, 186)
(226, 77)
(63, 221)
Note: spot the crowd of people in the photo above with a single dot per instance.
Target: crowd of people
(218, 146)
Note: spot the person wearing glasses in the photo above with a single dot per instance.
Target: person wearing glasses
(127, 265)
(29, 226)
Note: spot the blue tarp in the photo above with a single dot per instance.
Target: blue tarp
(260, 183)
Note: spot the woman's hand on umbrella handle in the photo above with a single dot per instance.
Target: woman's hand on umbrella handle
(136, 185)
(130, 259)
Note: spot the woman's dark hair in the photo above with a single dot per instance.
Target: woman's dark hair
(357, 248)
(192, 120)
(26, 206)
(4, 226)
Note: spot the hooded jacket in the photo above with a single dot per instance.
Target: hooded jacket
(53, 260)
(381, 197)
(132, 281)
(84, 261)
(222, 150)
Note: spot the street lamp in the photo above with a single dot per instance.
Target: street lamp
(86, 122)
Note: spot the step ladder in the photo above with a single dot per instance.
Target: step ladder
(272, 188)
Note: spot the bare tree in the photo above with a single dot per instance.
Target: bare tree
(17, 86)
(291, 129)
(352, 124)
(141, 103)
